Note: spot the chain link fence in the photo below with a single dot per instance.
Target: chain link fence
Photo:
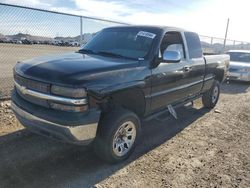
(28, 32)
(219, 45)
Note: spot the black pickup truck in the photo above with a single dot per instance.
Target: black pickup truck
(100, 93)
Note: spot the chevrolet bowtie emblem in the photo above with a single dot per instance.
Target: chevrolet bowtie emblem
(23, 89)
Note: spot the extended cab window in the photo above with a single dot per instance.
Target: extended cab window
(173, 41)
(194, 45)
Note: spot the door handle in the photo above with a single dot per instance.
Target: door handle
(186, 68)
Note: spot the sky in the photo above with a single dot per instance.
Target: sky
(206, 17)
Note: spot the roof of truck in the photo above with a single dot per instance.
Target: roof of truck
(150, 27)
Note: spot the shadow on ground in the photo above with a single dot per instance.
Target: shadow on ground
(235, 87)
(28, 160)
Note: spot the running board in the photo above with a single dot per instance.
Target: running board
(170, 110)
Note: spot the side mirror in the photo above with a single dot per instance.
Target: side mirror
(171, 56)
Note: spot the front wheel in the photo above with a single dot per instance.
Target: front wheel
(211, 97)
(117, 135)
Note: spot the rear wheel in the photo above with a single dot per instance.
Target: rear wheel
(117, 136)
(211, 97)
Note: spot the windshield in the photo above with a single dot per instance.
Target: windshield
(121, 42)
(239, 56)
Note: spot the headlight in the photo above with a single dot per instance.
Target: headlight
(68, 92)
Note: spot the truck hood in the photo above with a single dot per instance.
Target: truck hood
(90, 71)
(239, 64)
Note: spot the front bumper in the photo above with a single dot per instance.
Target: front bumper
(81, 131)
(241, 76)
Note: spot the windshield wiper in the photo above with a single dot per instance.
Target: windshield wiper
(86, 51)
(105, 53)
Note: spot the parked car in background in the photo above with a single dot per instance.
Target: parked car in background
(239, 65)
(74, 43)
(26, 41)
(15, 41)
(57, 42)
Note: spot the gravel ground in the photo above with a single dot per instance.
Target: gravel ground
(7, 119)
(201, 149)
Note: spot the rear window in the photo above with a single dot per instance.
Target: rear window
(194, 45)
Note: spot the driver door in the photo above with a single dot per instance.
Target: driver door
(169, 80)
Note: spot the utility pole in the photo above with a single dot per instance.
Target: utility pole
(225, 40)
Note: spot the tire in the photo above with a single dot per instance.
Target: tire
(117, 135)
(211, 97)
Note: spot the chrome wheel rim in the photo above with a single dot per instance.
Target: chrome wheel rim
(124, 138)
(215, 94)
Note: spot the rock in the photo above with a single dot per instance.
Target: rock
(8, 103)
(8, 111)
(142, 172)
(217, 111)
(5, 104)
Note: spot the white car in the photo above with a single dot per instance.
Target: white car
(74, 43)
(239, 65)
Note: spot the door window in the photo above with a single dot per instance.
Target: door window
(173, 41)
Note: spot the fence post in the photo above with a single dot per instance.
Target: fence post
(81, 30)
(212, 40)
(225, 40)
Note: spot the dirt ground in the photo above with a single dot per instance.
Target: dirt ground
(201, 149)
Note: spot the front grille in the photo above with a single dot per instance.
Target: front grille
(33, 85)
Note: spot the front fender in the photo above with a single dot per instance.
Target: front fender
(130, 95)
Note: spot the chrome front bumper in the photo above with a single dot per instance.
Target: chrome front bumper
(242, 76)
(81, 134)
